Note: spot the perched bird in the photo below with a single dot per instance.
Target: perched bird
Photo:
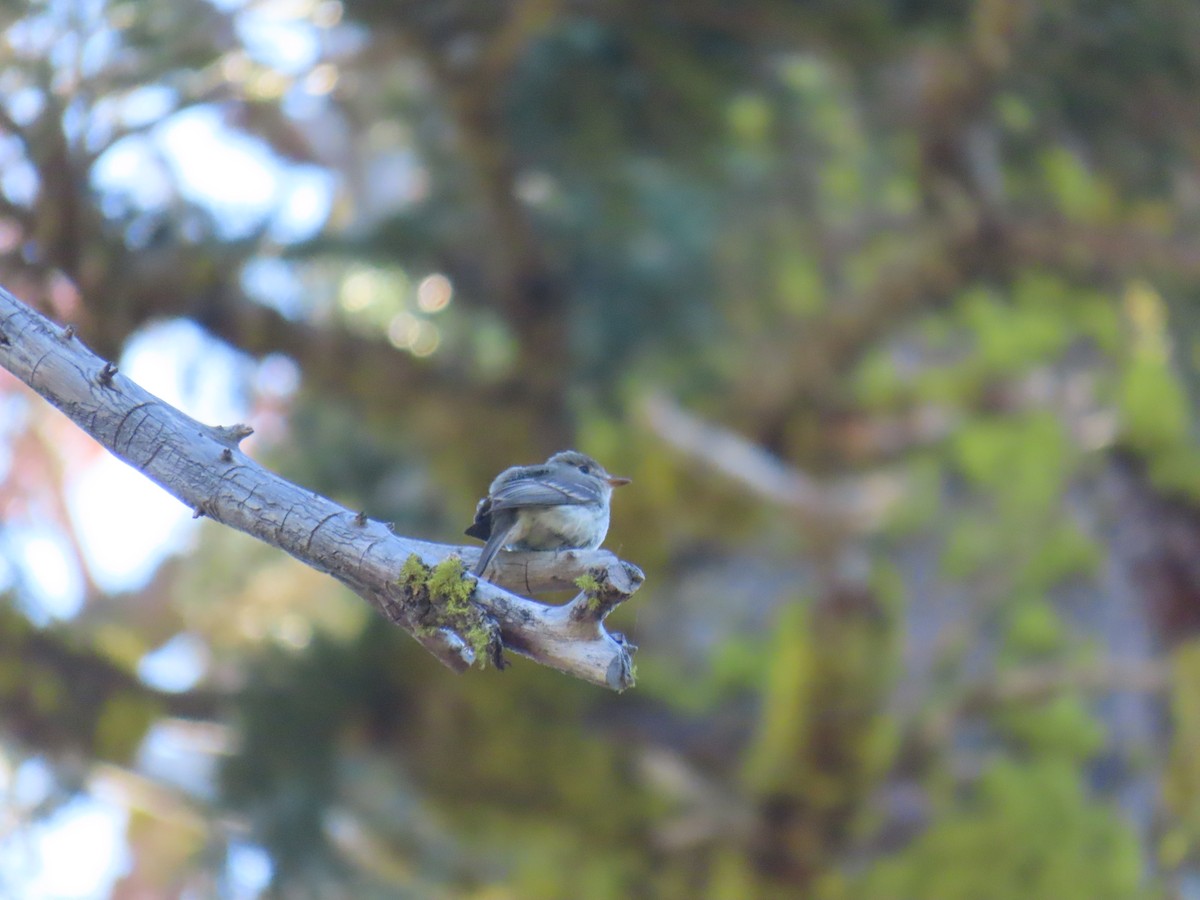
(561, 504)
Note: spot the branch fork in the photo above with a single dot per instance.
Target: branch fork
(571, 637)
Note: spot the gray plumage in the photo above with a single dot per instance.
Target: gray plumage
(560, 504)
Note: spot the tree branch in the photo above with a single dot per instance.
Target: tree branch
(203, 467)
(852, 504)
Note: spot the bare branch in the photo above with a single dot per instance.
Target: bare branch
(203, 467)
(853, 504)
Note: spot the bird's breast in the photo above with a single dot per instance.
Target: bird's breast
(560, 527)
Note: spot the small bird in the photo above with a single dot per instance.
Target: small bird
(561, 504)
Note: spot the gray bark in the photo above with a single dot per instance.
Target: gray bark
(202, 466)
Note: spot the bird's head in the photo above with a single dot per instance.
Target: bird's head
(587, 466)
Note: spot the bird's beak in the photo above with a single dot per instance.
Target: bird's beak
(617, 480)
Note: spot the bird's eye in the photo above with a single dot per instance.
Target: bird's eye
(586, 470)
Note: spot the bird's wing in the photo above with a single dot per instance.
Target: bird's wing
(545, 489)
(482, 526)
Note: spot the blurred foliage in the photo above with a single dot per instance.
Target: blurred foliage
(942, 253)
(1094, 854)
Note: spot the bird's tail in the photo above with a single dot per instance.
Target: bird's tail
(494, 542)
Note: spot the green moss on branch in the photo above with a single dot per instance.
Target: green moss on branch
(440, 598)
